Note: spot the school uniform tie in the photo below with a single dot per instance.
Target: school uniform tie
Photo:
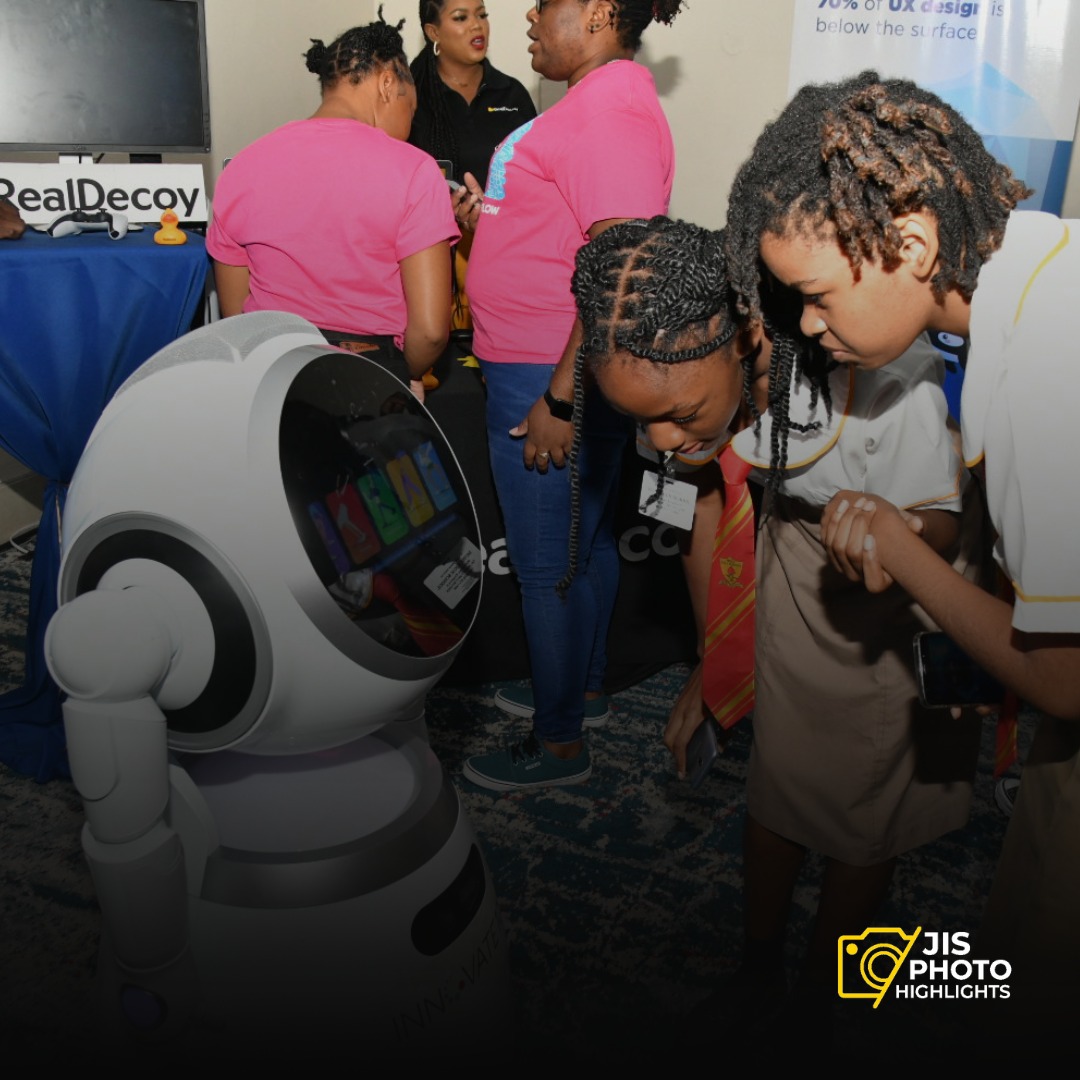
(728, 669)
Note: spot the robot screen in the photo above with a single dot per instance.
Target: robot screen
(380, 506)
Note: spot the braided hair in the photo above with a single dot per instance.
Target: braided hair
(433, 130)
(357, 53)
(659, 290)
(855, 155)
(632, 16)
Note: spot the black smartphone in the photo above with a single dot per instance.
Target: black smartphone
(947, 676)
(701, 751)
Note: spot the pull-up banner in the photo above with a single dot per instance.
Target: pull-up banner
(1010, 67)
(141, 192)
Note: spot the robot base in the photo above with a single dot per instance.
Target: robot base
(337, 897)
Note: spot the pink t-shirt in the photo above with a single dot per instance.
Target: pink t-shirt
(603, 151)
(322, 212)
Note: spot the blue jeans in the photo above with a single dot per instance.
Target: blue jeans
(567, 636)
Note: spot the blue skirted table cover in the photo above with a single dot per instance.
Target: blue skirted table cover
(77, 316)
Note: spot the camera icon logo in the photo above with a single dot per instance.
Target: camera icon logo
(867, 963)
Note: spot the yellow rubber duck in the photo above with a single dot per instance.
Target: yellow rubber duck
(170, 231)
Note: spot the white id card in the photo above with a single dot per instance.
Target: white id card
(676, 506)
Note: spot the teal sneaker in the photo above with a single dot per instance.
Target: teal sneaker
(526, 764)
(518, 701)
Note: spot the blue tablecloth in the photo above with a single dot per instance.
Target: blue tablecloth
(77, 316)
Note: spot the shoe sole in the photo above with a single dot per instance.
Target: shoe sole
(483, 781)
(512, 708)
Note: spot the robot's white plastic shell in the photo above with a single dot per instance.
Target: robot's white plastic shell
(378, 916)
(220, 420)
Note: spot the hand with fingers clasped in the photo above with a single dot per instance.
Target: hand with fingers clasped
(547, 438)
(850, 530)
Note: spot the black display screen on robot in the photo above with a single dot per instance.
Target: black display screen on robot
(378, 512)
(89, 76)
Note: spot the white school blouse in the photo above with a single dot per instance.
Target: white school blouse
(1020, 414)
(888, 436)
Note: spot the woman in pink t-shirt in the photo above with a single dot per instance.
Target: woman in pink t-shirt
(601, 155)
(337, 219)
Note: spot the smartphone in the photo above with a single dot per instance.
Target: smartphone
(701, 751)
(947, 676)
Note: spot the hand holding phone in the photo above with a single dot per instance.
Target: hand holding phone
(701, 751)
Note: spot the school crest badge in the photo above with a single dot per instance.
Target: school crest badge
(732, 572)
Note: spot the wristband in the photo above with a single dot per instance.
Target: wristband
(561, 410)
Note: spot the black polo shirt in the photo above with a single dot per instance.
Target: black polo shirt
(501, 106)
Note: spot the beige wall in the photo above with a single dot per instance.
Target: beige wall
(255, 53)
(721, 70)
(704, 65)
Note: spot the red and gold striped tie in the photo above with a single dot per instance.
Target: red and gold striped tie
(728, 671)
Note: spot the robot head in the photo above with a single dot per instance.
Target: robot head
(301, 523)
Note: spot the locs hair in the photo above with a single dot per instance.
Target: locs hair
(357, 53)
(659, 290)
(433, 130)
(855, 155)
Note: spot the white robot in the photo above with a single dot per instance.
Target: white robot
(269, 557)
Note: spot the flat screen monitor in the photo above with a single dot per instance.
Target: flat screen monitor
(103, 76)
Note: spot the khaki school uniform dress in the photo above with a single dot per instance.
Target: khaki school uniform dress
(844, 760)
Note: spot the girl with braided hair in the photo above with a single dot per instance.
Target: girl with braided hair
(880, 205)
(337, 219)
(663, 343)
(601, 155)
(843, 761)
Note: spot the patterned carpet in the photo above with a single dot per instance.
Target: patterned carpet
(620, 898)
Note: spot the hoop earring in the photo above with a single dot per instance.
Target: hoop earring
(435, 48)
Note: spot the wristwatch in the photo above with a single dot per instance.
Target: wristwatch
(561, 410)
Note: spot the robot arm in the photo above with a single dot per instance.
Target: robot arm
(109, 649)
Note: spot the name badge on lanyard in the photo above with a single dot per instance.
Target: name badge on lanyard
(666, 499)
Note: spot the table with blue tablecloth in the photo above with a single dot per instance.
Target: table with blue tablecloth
(77, 316)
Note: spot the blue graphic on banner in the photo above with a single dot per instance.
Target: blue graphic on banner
(992, 102)
(954, 352)
(1008, 66)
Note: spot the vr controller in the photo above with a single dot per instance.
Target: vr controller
(80, 221)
